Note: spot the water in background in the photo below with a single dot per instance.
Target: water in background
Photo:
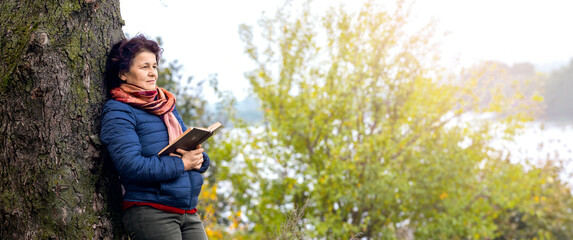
(545, 141)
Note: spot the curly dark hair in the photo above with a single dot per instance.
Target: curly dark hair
(121, 56)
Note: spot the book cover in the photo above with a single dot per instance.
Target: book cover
(191, 138)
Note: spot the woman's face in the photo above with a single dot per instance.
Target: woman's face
(142, 71)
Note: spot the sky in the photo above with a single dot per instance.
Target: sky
(203, 35)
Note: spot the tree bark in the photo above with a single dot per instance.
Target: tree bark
(56, 179)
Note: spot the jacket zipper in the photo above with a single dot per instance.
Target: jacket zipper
(190, 192)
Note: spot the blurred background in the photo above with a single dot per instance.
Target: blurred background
(375, 119)
(203, 36)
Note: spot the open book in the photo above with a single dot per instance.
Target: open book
(191, 138)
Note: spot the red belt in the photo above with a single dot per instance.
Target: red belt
(128, 204)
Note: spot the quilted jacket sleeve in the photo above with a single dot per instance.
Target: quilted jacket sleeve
(118, 133)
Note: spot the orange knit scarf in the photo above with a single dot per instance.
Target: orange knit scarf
(159, 102)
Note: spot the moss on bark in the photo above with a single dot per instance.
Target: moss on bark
(56, 181)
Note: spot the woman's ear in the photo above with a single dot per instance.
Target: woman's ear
(122, 76)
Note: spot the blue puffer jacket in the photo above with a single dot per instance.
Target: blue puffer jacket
(133, 138)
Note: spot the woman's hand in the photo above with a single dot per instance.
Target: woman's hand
(191, 159)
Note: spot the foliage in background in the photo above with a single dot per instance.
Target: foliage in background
(383, 144)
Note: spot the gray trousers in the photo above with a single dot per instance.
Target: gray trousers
(144, 222)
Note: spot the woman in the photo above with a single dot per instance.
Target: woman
(138, 121)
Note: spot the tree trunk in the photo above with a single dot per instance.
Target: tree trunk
(56, 180)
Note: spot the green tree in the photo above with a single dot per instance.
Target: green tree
(549, 216)
(383, 144)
